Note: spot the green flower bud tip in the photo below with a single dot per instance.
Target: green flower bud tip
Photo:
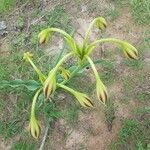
(101, 91)
(101, 23)
(65, 73)
(50, 84)
(44, 36)
(130, 51)
(34, 127)
(83, 99)
(27, 56)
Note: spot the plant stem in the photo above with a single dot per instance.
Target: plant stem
(40, 74)
(87, 34)
(62, 32)
(62, 60)
(66, 88)
(34, 102)
(116, 41)
(62, 50)
(93, 66)
(78, 69)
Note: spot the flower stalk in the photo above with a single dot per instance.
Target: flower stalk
(101, 90)
(129, 50)
(82, 98)
(50, 82)
(28, 57)
(100, 23)
(34, 125)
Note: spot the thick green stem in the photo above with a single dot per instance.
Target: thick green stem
(61, 32)
(40, 74)
(112, 40)
(33, 65)
(34, 102)
(87, 34)
(93, 67)
(62, 60)
(66, 88)
(116, 41)
(62, 50)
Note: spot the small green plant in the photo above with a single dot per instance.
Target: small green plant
(59, 75)
(6, 5)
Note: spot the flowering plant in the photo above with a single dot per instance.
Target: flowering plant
(49, 83)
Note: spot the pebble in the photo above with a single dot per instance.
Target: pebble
(3, 28)
(3, 25)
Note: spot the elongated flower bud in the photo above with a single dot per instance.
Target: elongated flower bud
(100, 87)
(101, 23)
(50, 84)
(101, 91)
(34, 125)
(44, 36)
(64, 73)
(82, 98)
(130, 51)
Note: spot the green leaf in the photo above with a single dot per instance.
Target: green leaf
(31, 85)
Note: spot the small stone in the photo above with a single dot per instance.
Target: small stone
(3, 25)
(3, 28)
(83, 8)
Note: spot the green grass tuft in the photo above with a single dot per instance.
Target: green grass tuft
(5, 5)
(141, 11)
(23, 145)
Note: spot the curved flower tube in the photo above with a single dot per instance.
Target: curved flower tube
(100, 22)
(129, 50)
(44, 36)
(82, 98)
(101, 90)
(34, 125)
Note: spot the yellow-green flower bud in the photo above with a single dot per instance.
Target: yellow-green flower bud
(64, 73)
(50, 84)
(34, 127)
(101, 23)
(100, 87)
(44, 36)
(27, 56)
(129, 50)
(82, 98)
(101, 91)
